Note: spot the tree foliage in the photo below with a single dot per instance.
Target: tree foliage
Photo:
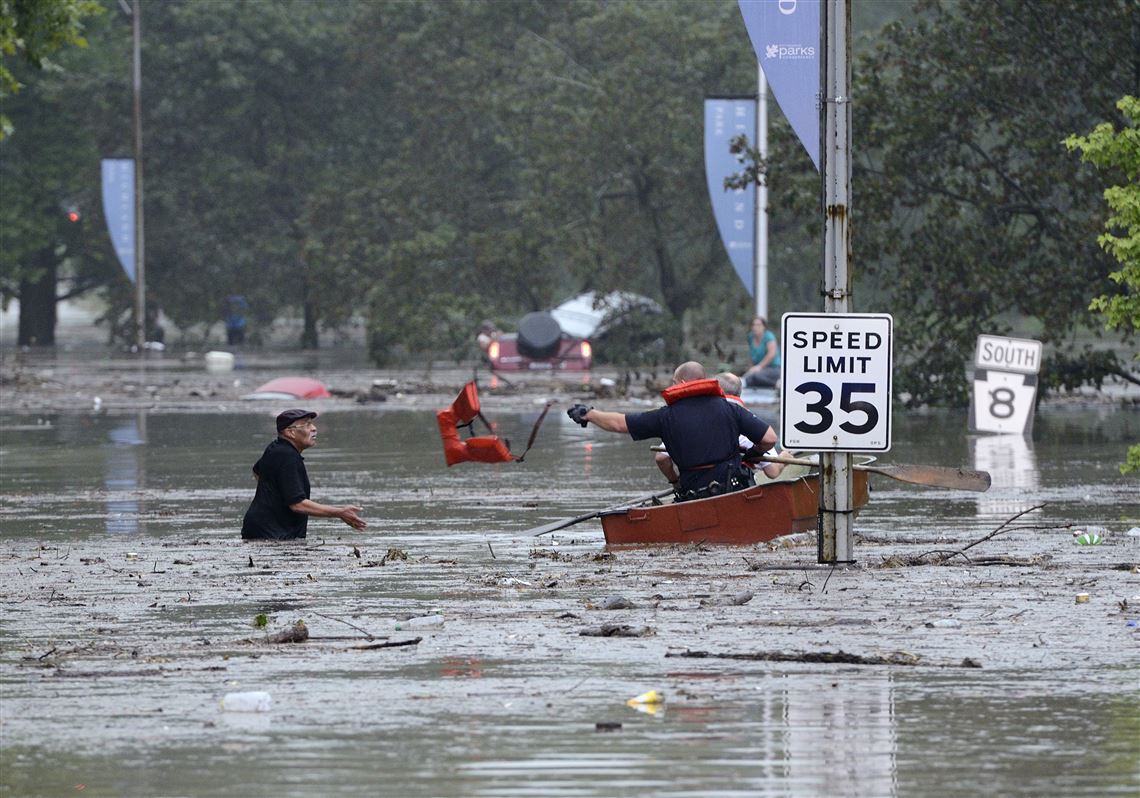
(430, 165)
(32, 30)
(49, 166)
(542, 149)
(968, 213)
(1118, 152)
(245, 111)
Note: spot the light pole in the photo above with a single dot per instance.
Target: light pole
(760, 276)
(136, 86)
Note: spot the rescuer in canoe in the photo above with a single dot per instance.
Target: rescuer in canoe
(699, 428)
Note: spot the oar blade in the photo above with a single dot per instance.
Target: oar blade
(931, 476)
(935, 476)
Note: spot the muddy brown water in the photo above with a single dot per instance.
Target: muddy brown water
(129, 605)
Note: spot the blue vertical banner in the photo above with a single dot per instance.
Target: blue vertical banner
(733, 209)
(785, 36)
(119, 208)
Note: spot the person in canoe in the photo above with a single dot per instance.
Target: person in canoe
(281, 505)
(731, 385)
(699, 428)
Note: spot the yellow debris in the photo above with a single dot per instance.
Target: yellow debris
(652, 697)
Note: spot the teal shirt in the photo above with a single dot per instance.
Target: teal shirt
(757, 350)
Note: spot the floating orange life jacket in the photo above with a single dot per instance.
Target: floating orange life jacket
(480, 449)
(675, 393)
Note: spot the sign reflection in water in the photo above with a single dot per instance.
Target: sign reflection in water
(125, 474)
(845, 739)
(1013, 467)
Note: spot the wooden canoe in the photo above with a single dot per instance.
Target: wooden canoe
(755, 515)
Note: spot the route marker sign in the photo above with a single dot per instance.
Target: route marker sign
(836, 382)
(1005, 384)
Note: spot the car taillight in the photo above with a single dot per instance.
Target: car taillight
(493, 350)
(586, 349)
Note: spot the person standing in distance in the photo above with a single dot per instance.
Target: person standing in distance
(281, 505)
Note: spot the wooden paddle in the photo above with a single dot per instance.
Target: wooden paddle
(932, 476)
(554, 526)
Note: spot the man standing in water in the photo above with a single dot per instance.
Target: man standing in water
(699, 428)
(281, 506)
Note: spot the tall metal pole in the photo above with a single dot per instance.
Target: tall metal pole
(760, 275)
(140, 260)
(835, 501)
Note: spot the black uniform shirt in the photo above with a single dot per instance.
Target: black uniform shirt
(701, 434)
(281, 481)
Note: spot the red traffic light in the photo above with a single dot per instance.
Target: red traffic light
(73, 216)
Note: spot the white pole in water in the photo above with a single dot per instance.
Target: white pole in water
(760, 251)
(836, 493)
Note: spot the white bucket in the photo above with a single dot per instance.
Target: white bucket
(217, 362)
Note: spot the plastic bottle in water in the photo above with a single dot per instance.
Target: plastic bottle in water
(251, 701)
(420, 622)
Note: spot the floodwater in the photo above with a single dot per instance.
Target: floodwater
(129, 605)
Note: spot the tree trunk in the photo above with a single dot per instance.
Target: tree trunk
(38, 304)
(309, 338)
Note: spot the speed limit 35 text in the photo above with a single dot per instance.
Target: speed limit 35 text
(852, 341)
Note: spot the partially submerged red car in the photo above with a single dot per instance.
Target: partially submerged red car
(539, 345)
(560, 339)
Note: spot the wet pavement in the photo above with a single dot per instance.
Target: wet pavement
(129, 610)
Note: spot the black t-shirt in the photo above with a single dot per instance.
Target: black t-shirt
(281, 481)
(699, 431)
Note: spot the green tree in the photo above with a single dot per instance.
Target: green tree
(1119, 152)
(243, 110)
(32, 30)
(967, 215)
(50, 169)
(431, 221)
(616, 150)
(541, 149)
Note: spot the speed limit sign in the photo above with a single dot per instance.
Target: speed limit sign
(836, 383)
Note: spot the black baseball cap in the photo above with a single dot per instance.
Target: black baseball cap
(292, 416)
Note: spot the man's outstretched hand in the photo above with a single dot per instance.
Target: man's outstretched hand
(349, 514)
(578, 414)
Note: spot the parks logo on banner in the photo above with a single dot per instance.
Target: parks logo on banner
(785, 36)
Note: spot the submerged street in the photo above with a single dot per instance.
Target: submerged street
(130, 607)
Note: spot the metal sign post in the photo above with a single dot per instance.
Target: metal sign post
(835, 501)
(140, 261)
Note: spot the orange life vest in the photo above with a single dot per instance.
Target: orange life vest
(707, 387)
(481, 449)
